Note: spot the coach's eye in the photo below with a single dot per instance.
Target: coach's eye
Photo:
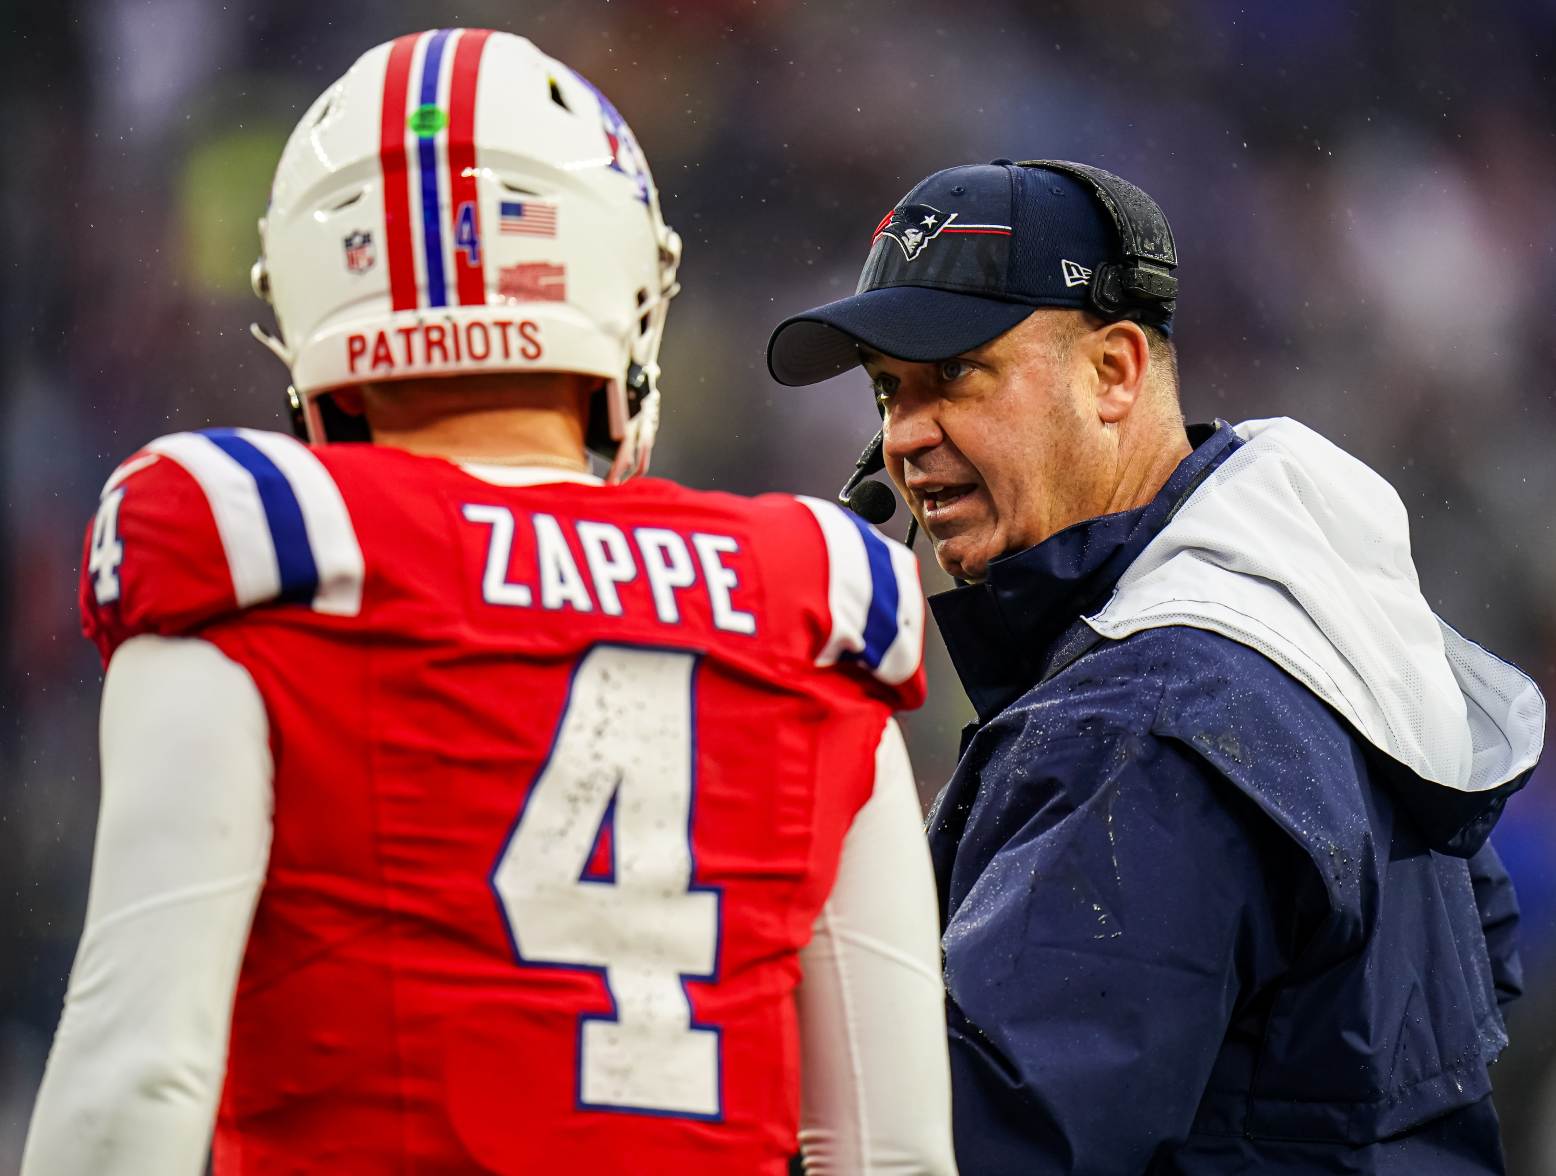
(883, 386)
(952, 369)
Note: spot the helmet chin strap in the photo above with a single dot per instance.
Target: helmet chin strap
(277, 348)
(299, 415)
(637, 442)
(259, 279)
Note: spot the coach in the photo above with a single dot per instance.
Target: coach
(1214, 882)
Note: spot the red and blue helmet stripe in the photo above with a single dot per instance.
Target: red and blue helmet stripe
(427, 155)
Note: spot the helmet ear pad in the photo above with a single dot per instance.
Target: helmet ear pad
(603, 432)
(319, 420)
(338, 424)
(597, 430)
(1142, 287)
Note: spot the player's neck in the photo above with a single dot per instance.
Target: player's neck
(494, 437)
(468, 427)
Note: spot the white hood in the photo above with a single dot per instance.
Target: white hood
(1298, 550)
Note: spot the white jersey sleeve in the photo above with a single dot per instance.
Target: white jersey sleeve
(873, 593)
(876, 1079)
(183, 839)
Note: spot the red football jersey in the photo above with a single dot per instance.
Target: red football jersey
(562, 774)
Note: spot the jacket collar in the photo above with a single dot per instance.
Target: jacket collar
(1001, 632)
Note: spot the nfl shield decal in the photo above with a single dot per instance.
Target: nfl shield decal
(360, 255)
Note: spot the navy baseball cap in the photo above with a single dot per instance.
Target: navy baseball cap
(966, 255)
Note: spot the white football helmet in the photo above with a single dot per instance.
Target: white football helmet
(460, 202)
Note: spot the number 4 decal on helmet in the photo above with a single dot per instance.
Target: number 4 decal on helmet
(466, 236)
(623, 752)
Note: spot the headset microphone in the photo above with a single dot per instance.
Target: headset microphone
(865, 498)
(872, 501)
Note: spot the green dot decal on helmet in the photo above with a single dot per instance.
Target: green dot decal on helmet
(426, 121)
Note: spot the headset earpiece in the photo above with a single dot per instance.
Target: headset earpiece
(1142, 286)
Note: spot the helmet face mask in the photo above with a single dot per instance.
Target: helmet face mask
(457, 203)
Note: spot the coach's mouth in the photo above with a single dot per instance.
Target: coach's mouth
(943, 503)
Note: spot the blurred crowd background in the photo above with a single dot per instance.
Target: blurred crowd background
(1362, 192)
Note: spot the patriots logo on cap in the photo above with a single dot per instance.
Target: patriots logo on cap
(913, 226)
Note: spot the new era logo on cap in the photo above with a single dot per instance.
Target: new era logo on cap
(1074, 273)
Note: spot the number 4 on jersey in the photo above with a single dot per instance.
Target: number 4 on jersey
(106, 552)
(625, 736)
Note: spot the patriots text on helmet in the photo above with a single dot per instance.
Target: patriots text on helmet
(438, 346)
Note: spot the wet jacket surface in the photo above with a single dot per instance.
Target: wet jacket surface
(1193, 921)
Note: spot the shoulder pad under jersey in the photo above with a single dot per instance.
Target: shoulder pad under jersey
(875, 601)
(197, 526)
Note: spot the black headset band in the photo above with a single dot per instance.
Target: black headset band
(1142, 286)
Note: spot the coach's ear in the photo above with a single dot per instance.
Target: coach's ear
(1120, 355)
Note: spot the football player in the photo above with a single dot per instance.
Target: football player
(463, 811)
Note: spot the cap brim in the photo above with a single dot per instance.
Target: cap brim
(914, 323)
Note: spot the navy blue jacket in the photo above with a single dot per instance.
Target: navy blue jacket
(1192, 922)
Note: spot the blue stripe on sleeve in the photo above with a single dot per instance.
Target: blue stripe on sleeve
(427, 153)
(880, 628)
(283, 514)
